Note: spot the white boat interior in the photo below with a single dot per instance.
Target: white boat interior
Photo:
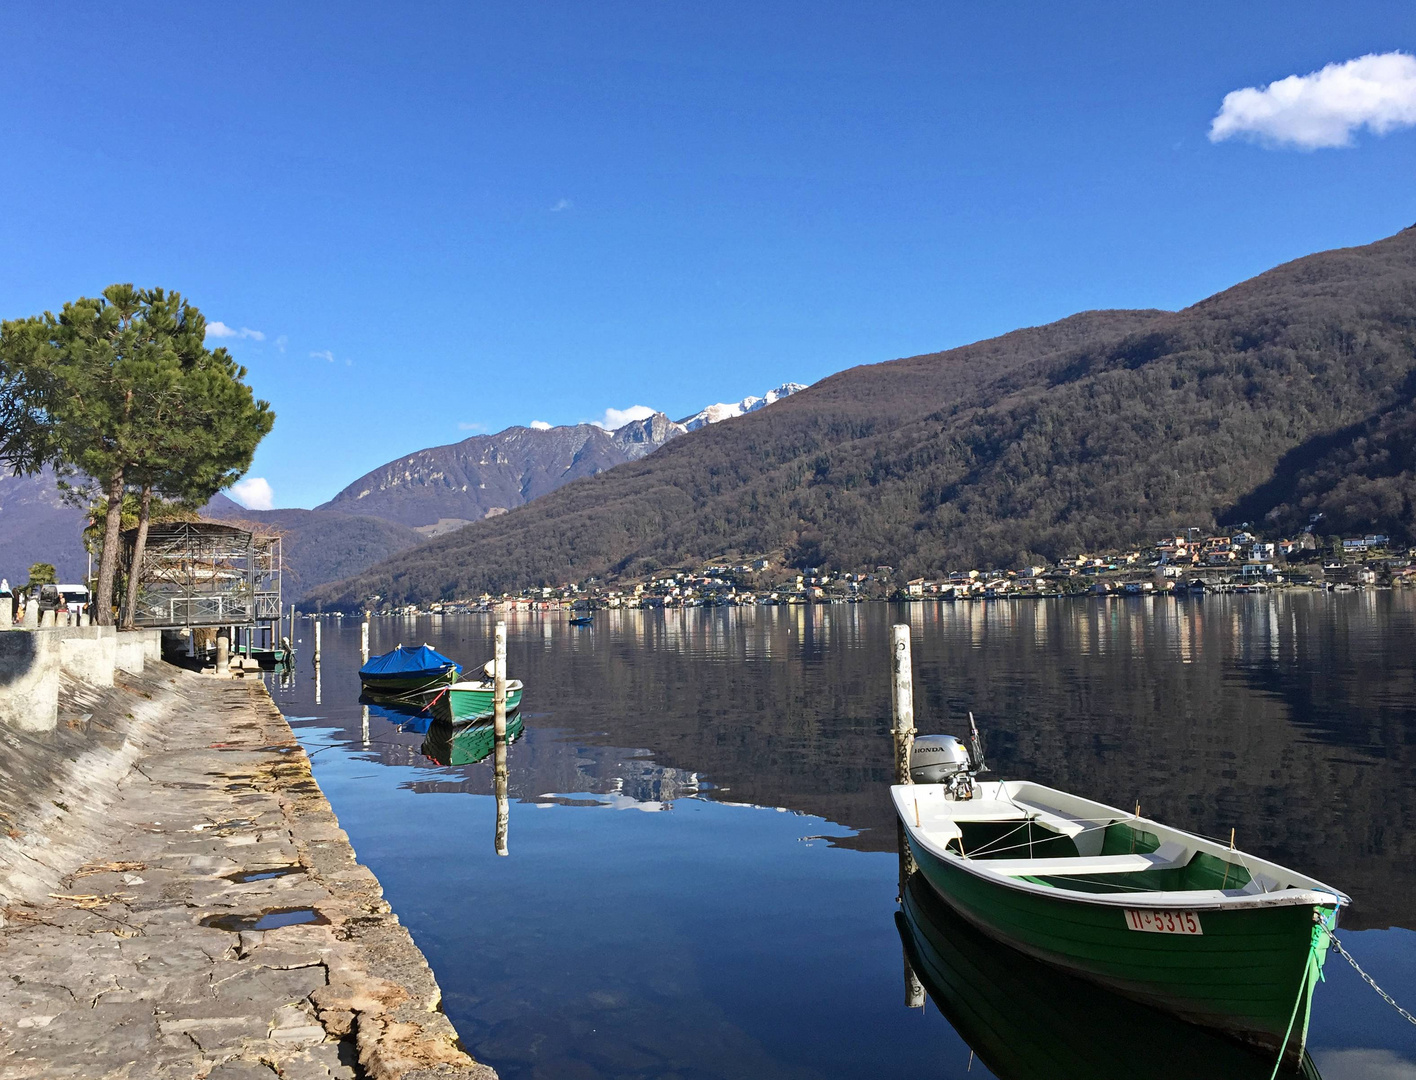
(1032, 837)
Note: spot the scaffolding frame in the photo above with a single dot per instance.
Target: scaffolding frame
(205, 574)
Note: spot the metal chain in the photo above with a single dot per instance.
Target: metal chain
(1368, 979)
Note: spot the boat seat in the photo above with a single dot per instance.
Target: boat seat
(1161, 859)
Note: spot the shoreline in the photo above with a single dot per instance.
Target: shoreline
(177, 899)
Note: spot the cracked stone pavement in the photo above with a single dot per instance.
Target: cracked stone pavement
(106, 966)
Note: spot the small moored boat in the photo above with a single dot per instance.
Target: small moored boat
(408, 671)
(464, 702)
(1210, 934)
(582, 620)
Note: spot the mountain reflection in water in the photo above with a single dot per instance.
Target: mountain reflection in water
(1028, 1021)
(747, 931)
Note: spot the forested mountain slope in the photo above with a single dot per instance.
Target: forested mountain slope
(1106, 428)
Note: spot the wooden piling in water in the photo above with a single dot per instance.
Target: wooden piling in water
(364, 640)
(499, 774)
(902, 700)
(902, 730)
(318, 627)
(499, 682)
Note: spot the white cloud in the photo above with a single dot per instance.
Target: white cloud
(323, 354)
(1326, 107)
(561, 204)
(617, 418)
(281, 342)
(471, 427)
(221, 330)
(540, 425)
(253, 493)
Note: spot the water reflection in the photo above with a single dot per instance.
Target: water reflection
(720, 938)
(1028, 1021)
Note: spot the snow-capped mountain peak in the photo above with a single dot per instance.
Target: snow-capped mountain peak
(727, 410)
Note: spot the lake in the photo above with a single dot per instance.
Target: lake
(703, 879)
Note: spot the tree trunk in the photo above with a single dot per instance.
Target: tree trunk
(130, 600)
(108, 562)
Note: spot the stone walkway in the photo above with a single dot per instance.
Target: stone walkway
(201, 913)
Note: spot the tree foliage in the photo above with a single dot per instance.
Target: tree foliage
(121, 388)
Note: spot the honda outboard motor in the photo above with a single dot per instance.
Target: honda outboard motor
(935, 758)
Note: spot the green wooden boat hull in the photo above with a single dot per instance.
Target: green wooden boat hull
(1026, 1019)
(1247, 975)
(461, 706)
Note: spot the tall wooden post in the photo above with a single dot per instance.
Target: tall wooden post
(499, 682)
(364, 640)
(499, 737)
(902, 700)
(903, 731)
(318, 627)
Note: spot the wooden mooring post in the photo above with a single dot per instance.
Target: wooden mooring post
(318, 626)
(364, 640)
(902, 730)
(902, 700)
(499, 737)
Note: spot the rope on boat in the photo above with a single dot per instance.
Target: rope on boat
(1315, 953)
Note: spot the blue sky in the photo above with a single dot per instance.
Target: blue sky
(443, 219)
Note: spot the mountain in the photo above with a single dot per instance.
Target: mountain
(319, 546)
(726, 411)
(37, 526)
(443, 488)
(1103, 429)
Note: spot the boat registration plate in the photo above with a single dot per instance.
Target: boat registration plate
(1163, 922)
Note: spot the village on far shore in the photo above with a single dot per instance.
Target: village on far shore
(1192, 563)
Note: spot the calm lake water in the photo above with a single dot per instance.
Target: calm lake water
(702, 879)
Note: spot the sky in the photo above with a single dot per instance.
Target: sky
(414, 223)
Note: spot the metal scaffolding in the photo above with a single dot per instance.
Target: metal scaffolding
(200, 573)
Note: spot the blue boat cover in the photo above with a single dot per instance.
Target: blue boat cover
(409, 660)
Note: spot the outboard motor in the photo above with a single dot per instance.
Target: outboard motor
(943, 759)
(935, 758)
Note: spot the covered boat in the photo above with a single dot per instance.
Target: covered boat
(408, 671)
(1185, 924)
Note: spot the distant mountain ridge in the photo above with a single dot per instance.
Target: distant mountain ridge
(386, 511)
(714, 414)
(443, 488)
(1290, 394)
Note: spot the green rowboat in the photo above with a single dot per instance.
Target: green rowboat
(1026, 1019)
(1212, 935)
(464, 702)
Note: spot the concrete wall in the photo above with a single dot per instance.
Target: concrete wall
(88, 653)
(31, 662)
(29, 679)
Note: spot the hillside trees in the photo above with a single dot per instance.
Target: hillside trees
(122, 389)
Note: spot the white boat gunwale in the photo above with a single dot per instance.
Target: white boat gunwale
(1016, 805)
(484, 685)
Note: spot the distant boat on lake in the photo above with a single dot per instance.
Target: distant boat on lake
(582, 620)
(408, 671)
(1188, 925)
